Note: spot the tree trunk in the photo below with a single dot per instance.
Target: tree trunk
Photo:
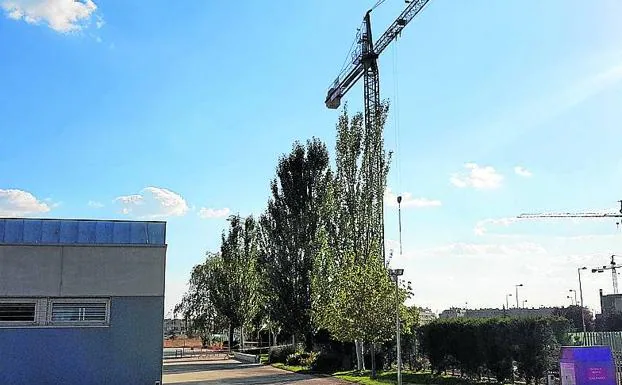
(373, 360)
(241, 338)
(360, 362)
(230, 337)
(309, 342)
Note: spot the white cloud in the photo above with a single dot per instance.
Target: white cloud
(18, 203)
(390, 199)
(481, 227)
(152, 203)
(482, 249)
(60, 15)
(477, 177)
(208, 213)
(95, 204)
(522, 171)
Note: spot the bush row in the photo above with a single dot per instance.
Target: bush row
(321, 362)
(494, 346)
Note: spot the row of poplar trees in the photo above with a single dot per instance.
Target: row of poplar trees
(314, 259)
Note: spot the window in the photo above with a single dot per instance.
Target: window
(54, 312)
(17, 311)
(79, 312)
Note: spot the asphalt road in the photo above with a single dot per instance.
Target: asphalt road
(231, 372)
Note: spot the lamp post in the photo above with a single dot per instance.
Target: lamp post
(517, 286)
(576, 303)
(395, 274)
(524, 302)
(570, 298)
(507, 301)
(581, 297)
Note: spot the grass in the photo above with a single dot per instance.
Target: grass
(291, 368)
(390, 377)
(382, 378)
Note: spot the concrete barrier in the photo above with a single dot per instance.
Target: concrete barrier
(248, 358)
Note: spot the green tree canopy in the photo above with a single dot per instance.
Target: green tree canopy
(290, 230)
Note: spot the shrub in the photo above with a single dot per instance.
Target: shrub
(293, 359)
(280, 354)
(307, 359)
(326, 362)
(301, 359)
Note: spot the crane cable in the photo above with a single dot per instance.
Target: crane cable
(379, 2)
(396, 118)
(345, 65)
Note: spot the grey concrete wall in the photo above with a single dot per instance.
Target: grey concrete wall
(66, 271)
(129, 351)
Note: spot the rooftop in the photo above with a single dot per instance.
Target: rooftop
(20, 231)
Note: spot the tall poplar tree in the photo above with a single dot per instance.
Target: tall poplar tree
(290, 227)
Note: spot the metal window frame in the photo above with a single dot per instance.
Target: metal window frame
(53, 301)
(11, 300)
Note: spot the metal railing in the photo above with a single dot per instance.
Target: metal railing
(611, 339)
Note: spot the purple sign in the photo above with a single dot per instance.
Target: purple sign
(587, 365)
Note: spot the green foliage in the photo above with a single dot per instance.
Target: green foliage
(203, 309)
(352, 291)
(314, 259)
(280, 354)
(493, 345)
(573, 314)
(224, 289)
(305, 359)
(290, 229)
(362, 304)
(609, 323)
(326, 362)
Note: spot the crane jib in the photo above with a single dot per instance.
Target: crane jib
(352, 74)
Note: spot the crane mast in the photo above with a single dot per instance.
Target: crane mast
(365, 64)
(614, 272)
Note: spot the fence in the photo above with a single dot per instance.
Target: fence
(611, 339)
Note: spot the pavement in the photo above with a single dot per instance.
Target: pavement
(231, 372)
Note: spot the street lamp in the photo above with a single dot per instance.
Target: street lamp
(395, 274)
(524, 302)
(507, 301)
(581, 297)
(517, 286)
(576, 303)
(570, 298)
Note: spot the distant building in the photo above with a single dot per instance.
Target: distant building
(426, 316)
(81, 301)
(174, 326)
(497, 313)
(610, 304)
(453, 312)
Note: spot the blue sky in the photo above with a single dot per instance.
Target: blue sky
(179, 111)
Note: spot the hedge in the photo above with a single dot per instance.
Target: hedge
(494, 346)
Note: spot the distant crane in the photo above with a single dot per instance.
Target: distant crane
(574, 215)
(614, 273)
(612, 265)
(364, 64)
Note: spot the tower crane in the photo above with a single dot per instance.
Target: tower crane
(574, 215)
(364, 64)
(614, 272)
(612, 265)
